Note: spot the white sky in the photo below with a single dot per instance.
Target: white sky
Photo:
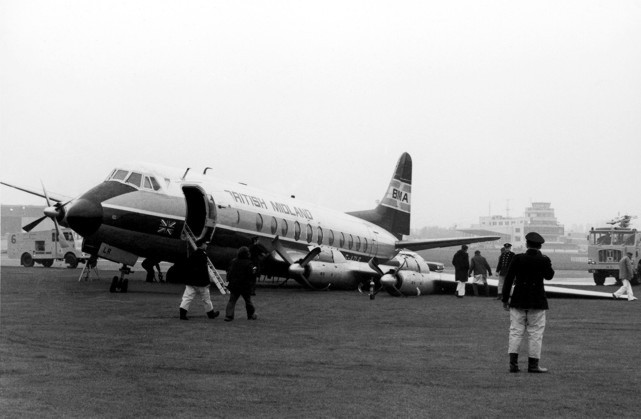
(496, 101)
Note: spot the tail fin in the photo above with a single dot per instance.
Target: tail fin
(393, 212)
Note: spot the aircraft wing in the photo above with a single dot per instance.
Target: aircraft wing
(550, 290)
(435, 243)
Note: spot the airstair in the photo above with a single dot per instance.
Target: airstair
(214, 276)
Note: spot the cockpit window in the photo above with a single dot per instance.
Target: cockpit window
(135, 179)
(120, 175)
(155, 184)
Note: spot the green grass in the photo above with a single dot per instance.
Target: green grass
(71, 349)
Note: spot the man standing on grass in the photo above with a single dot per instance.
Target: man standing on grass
(626, 272)
(527, 302)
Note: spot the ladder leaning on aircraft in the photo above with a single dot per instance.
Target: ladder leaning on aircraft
(152, 211)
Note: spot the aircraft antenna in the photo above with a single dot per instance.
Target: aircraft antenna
(205, 171)
(186, 171)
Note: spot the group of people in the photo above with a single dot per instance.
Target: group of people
(241, 278)
(520, 289)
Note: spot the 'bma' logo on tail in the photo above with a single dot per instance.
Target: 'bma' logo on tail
(398, 196)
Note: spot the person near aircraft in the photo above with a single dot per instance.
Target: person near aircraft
(461, 262)
(149, 265)
(197, 283)
(527, 302)
(257, 253)
(625, 274)
(504, 262)
(480, 269)
(240, 276)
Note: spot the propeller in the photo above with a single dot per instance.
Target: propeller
(388, 280)
(52, 211)
(297, 268)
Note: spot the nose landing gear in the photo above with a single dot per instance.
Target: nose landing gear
(120, 284)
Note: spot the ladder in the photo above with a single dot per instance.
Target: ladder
(214, 276)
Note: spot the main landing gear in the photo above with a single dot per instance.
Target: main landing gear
(120, 284)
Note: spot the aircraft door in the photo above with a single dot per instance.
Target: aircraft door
(373, 239)
(200, 212)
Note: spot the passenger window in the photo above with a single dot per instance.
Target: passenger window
(358, 243)
(259, 222)
(320, 236)
(310, 233)
(331, 237)
(284, 227)
(341, 242)
(296, 230)
(274, 225)
(120, 175)
(365, 245)
(135, 179)
(350, 242)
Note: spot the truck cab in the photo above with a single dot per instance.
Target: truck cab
(606, 247)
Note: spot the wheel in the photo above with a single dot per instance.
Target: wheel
(599, 278)
(124, 285)
(71, 260)
(47, 263)
(114, 284)
(26, 260)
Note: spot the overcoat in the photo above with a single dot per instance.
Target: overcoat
(461, 262)
(241, 275)
(527, 272)
(198, 272)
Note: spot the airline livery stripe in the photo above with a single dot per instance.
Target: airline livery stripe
(145, 212)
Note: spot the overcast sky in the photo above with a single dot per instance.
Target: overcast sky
(499, 103)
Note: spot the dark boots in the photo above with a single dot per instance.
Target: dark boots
(514, 363)
(183, 314)
(213, 314)
(533, 366)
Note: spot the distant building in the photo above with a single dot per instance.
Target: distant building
(538, 217)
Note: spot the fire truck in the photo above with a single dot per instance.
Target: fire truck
(44, 247)
(607, 245)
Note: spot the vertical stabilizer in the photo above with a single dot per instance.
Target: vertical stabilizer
(393, 212)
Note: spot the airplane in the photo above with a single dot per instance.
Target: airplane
(154, 212)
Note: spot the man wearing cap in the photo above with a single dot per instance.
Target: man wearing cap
(480, 269)
(461, 262)
(501, 269)
(625, 274)
(527, 303)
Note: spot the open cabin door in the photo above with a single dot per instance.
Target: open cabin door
(201, 212)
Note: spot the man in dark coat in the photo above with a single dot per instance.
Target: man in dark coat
(461, 262)
(480, 269)
(241, 276)
(504, 262)
(527, 303)
(197, 283)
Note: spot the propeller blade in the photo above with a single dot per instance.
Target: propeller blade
(32, 224)
(278, 247)
(61, 237)
(44, 190)
(373, 263)
(311, 255)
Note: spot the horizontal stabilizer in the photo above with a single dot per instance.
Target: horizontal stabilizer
(436, 243)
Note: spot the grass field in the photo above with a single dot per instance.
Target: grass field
(71, 349)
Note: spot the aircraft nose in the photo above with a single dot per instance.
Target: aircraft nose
(84, 216)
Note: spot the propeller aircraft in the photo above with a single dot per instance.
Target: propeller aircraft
(143, 210)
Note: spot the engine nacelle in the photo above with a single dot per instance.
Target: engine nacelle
(413, 283)
(338, 275)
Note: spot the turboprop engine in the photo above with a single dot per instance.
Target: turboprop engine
(321, 268)
(411, 277)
